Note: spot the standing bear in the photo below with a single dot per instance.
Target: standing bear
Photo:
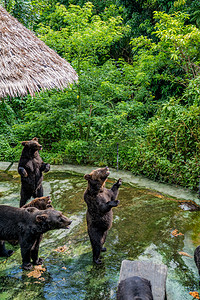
(99, 208)
(30, 168)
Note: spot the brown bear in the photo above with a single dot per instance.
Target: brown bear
(40, 203)
(134, 288)
(99, 208)
(27, 226)
(30, 168)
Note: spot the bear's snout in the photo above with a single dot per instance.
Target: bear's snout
(64, 222)
(69, 224)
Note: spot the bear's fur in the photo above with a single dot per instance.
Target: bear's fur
(30, 168)
(197, 258)
(3, 251)
(99, 208)
(40, 203)
(27, 226)
(134, 288)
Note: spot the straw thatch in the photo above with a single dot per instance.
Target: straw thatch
(27, 65)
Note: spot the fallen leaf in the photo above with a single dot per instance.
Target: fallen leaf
(42, 279)
(40, 268)
(176, 233)
(61, 249)
(37, 272)
(195, 295)
(185, 254)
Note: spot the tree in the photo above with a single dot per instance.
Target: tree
(76, 34)
(165, 67)
(83, 39)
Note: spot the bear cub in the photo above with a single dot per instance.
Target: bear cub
(100, 201)
(30, 168)
(40, 203)
(27, 225)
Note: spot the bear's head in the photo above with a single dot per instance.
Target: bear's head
(32, 145)
(50, 219)
(41, 203)
(136, 288)
(98, 177)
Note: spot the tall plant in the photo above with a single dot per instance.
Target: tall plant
(164, 66)
(85, 40)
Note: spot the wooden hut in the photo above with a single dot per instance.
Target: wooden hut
(28, 65)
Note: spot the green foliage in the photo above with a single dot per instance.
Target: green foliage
(192, 92)
(164, 68)
(48, 116)
(7, 117)
(28, 12)
(76, 34)
(7, 152)
(145, 102)
(170, 151)
(182, 42)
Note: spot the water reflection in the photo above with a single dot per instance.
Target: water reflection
(142, 228)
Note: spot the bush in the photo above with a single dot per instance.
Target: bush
(170, 150)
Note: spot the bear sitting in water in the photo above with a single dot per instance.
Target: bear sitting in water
(134, 288)
(27, 226)
(30, 168)
(99, 208)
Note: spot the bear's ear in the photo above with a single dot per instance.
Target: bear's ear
(24, 143)
(35, 139)
(87, 176)
(41, 218)
(31, 209)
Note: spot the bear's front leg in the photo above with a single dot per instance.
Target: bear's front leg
(39, 261)
(22, 172)
(106, 207)
(26, 246)
(34, 251)
(113, 203)
(45, 167)
(115, 188)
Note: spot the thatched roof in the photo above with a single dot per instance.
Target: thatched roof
(27, 65)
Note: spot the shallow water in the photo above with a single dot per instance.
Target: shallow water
(141, 230)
